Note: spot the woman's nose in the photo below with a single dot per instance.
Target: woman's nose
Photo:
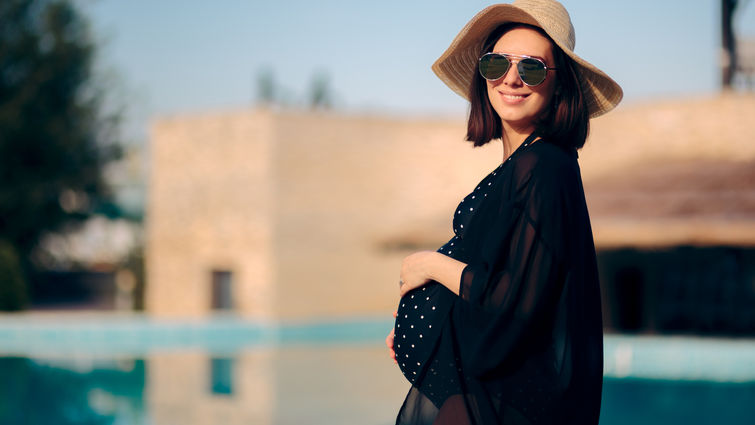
(511, 78)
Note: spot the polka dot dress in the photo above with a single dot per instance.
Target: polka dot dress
(422, 312)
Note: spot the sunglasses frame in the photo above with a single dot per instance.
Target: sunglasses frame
(519, 72)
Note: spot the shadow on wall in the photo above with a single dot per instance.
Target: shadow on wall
(696, 290)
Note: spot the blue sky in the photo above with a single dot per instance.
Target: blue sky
(173, 56)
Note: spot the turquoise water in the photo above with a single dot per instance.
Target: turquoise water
(132, 370)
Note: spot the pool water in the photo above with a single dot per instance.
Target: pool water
(643, 401)
(322, 374)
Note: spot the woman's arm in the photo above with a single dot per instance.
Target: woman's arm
(424, 266)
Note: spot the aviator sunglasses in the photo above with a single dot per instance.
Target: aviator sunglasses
(531, 70)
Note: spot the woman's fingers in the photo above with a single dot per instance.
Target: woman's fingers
(389, 343)
(412, 273)
(408, 287)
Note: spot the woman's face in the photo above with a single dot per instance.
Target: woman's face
(518, 104)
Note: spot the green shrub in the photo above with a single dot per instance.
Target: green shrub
(13, 292)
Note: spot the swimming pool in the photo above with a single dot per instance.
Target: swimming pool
(133, 370)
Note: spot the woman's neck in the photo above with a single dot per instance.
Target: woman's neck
(513, 137)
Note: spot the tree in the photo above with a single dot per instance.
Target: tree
(55, 138)
(13, 293)
(320, 93)
(728, 43)
(266, 87)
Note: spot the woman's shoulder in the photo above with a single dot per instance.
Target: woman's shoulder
(543, 158)
(547, 175)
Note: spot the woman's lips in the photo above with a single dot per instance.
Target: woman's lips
(512, 98)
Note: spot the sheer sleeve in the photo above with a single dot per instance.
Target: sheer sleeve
(511, 286)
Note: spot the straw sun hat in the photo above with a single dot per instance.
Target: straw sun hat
(458, 64)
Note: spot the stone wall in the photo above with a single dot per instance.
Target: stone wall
(210, 207)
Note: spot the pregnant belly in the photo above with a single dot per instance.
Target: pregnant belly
(421, 315)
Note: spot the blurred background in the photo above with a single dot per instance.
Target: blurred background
(204, 205)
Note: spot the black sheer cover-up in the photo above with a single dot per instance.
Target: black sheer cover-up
(523, 342)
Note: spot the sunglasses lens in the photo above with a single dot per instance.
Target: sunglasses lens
(532, 71)
(493, 66)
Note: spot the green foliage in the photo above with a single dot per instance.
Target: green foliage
(270, 94)
(54, 138)
(266, 88)
(135, 264)
(13, 294)
(320, 96)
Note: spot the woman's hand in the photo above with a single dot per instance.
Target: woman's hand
(389, 341)
(414, 271)
(424, 266)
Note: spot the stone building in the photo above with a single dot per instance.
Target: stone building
(671, 189)
(278, 214)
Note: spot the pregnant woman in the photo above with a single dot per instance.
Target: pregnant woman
(502, 325)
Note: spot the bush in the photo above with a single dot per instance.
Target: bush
(13, 292)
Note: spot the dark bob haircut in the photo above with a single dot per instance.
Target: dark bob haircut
(566, 122)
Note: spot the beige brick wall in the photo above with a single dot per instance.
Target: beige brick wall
(210, 206)
(650, 134)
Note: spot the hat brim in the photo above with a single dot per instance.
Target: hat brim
(457, 66)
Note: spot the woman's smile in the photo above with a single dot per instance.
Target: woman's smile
(513, 98)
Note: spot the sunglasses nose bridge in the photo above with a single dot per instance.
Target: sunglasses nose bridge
(513, 66)
(510, 65)
(512, 75)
